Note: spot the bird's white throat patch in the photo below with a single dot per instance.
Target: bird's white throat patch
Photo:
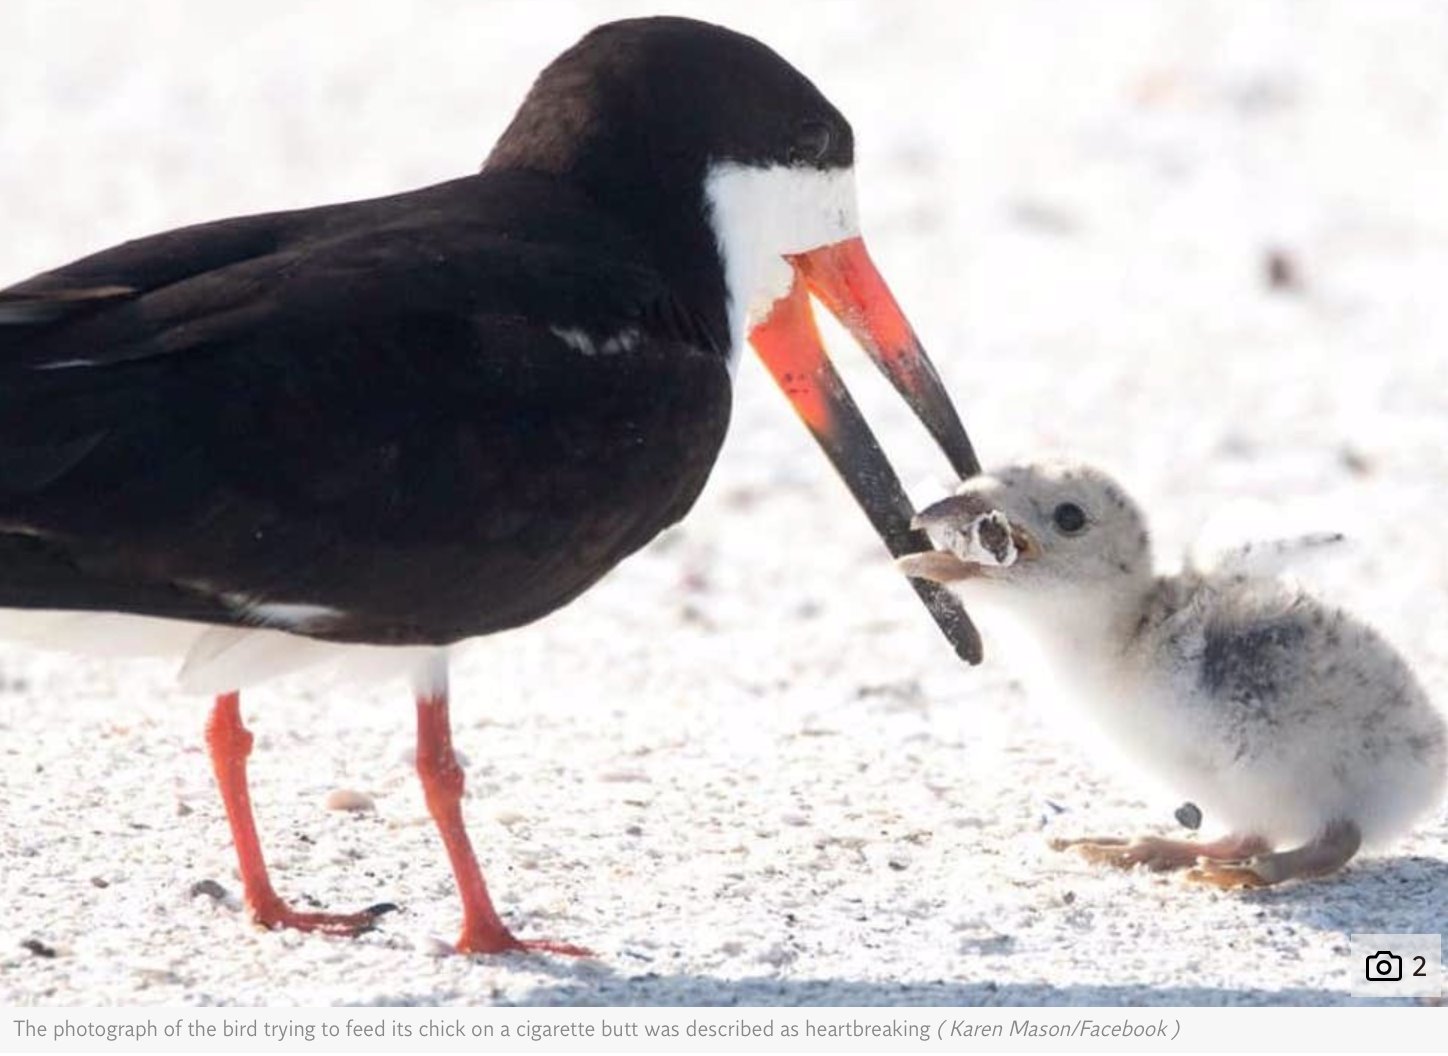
(760, 215)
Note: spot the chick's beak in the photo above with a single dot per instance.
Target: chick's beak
(936, 566)
(844, 279)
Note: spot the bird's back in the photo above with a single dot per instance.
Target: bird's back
(316, 419)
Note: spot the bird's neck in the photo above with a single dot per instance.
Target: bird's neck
(660, 201)
(1082, 638)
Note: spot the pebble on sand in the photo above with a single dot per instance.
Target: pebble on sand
(348, 799)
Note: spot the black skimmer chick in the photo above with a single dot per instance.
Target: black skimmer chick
(1296, 727)
(390, 425)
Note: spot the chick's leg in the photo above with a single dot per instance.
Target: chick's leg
(1326, 854)
(1158, 854)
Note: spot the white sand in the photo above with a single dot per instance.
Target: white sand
(745, 769)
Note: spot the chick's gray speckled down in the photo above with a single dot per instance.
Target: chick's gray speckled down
(1297, 728)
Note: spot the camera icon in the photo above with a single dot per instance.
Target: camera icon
(1385, 966)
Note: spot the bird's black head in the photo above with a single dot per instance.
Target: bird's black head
(717, 154)
(737, 174)
(675, 94)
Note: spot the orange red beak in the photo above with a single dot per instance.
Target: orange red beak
(844, 279)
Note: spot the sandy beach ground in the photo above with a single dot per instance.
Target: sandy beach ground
(745, 768)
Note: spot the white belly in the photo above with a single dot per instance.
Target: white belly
(210, 659)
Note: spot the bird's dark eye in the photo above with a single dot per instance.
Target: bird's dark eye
(811, 143)
(1069, 518)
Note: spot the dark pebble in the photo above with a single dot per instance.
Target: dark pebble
(1281, 270)
(210, 888)
(1189, 815)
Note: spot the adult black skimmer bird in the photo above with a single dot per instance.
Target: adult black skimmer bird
(394, 424)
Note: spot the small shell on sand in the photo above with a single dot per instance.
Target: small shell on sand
(348, 799)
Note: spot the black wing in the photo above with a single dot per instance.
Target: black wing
(365, 409)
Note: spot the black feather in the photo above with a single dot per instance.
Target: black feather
(362, 406)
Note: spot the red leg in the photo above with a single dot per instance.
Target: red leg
(442, 785)
(230, 743)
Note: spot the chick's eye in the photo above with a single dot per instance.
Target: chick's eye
(811, 143)
(1069, 518)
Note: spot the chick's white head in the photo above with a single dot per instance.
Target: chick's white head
(1082, 548)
